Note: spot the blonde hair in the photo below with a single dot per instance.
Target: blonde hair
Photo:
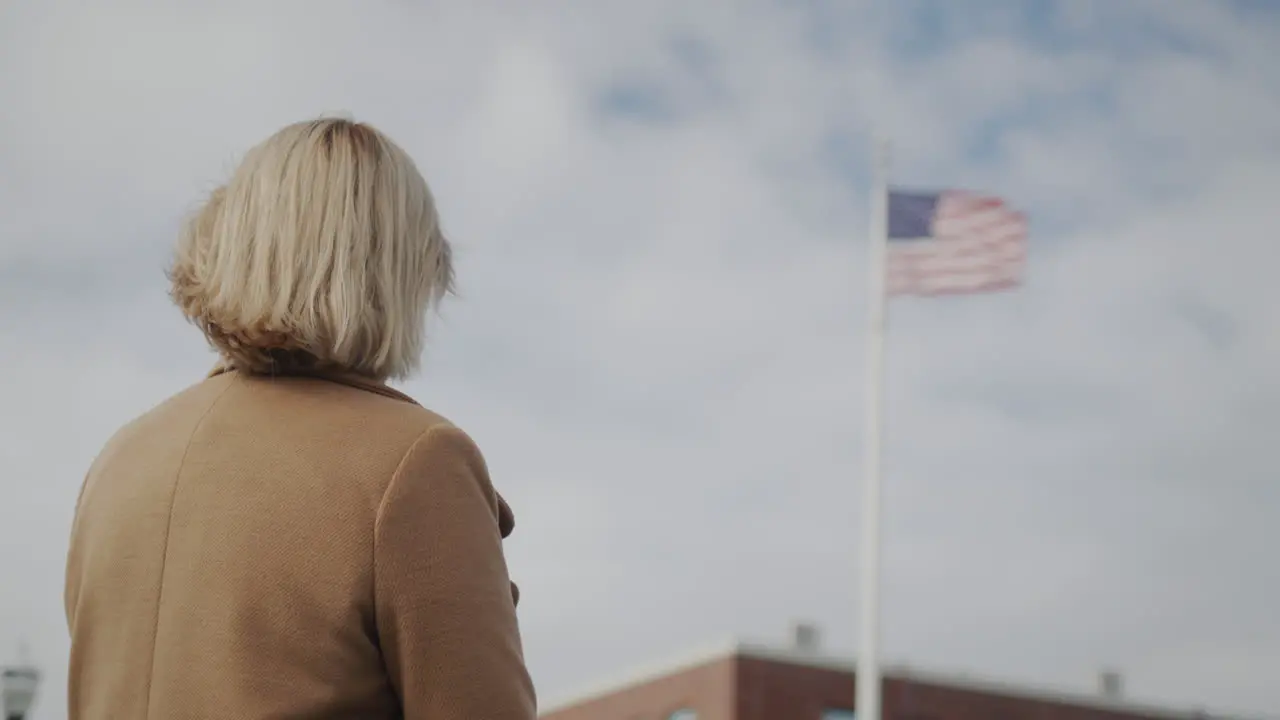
(324, 251)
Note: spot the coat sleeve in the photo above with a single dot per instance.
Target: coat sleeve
(444, 606)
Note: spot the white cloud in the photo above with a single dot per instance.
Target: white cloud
(659, 340)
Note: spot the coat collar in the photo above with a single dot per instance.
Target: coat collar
(353, 380)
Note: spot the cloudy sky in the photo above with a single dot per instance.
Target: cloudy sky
(659, 209)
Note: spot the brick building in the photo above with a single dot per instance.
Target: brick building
(749, 682)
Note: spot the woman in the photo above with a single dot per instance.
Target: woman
(291, 538)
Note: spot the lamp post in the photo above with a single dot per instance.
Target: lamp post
(18, 690)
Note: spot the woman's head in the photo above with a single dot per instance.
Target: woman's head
(324, 251)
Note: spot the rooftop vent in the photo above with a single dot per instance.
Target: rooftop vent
(1110, 684)
(806, 637)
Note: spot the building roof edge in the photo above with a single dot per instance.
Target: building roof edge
(649, 672)
(961, 681)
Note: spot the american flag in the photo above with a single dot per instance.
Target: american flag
(953, 242)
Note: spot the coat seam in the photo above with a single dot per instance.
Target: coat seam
(422, 438)
(164, 560)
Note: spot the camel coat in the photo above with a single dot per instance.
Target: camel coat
(316, 548)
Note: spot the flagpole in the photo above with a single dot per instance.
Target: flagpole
(868, 685)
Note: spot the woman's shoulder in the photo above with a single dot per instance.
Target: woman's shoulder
(348, 419)
(332, 431)
(338, 402)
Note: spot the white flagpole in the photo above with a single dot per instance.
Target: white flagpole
(867, 700)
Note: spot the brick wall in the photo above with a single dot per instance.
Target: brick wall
(708, 688)
(908, 700)
(748, 688)
(770, 690)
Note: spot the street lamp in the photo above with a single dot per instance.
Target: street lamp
(18, 690)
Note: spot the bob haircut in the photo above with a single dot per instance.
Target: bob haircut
(323, 252)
